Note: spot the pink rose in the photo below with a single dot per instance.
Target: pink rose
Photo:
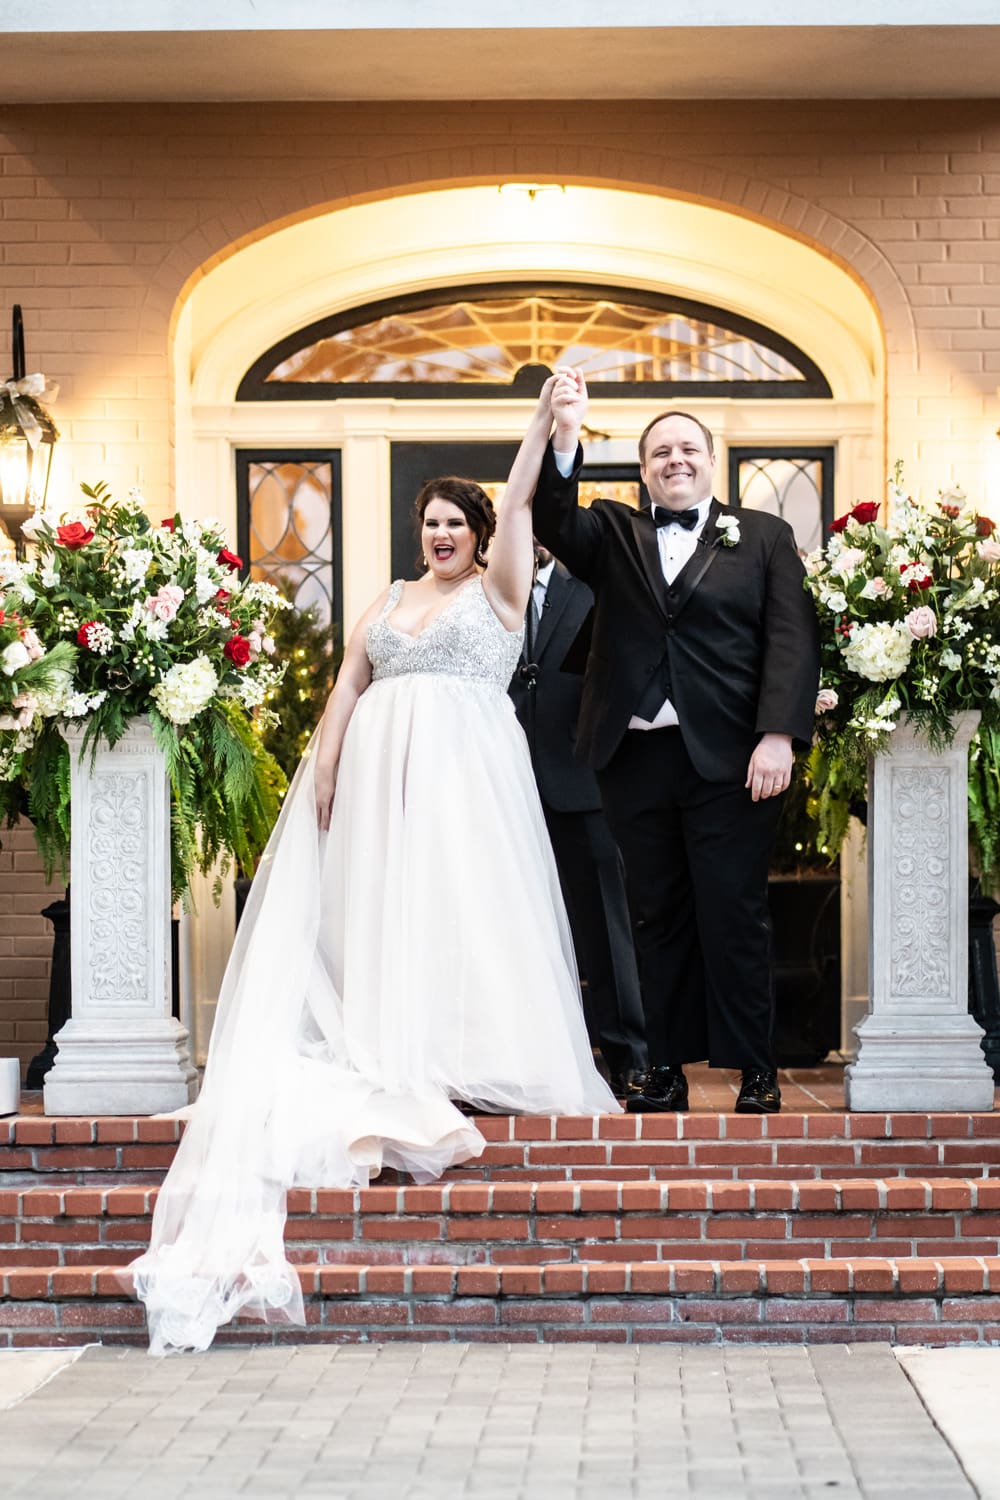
(989, 550)
(32, 644)
(27, 704)
(256, 643)
(847, 561)
(166, 602)
(826, 700)
(921, 622)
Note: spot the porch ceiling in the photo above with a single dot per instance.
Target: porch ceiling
(514, 63)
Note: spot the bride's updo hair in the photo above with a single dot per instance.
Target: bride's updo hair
(471, 499)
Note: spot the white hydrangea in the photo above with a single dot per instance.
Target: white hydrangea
(155, 630)
(186, 689)
(951, 660)
(878, 652)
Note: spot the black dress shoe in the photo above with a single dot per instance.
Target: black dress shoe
(759, 1092)
(623, 1085)
(662, 1090)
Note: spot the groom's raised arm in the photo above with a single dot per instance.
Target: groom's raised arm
(574, 535)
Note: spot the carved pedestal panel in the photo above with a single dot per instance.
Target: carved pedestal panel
(918, 1046)
(121, 1052)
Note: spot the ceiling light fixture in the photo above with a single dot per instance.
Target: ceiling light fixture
(530, 190)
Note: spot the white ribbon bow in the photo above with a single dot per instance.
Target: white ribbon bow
(38, 388)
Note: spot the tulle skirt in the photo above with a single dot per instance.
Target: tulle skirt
(417, 954)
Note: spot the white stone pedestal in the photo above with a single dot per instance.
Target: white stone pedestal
(121, 1052)
(918, 1046)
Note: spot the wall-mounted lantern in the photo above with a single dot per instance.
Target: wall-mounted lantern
(27, 438)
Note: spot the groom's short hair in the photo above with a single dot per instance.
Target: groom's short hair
(710, 441)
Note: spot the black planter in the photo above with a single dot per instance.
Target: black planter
(805, 925)
(57, 912)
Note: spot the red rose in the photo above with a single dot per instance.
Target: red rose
(222, 595)
(83, 634)
(169, 523)
(238, 649)
(866, 512)
(840, 522)
(984, 526)
(229, 560)
(74, 535)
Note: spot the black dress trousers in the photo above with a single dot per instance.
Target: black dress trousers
(697, 854)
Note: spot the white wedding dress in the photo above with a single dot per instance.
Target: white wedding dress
(417, 954)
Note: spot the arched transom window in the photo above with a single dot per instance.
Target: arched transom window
(499, 340)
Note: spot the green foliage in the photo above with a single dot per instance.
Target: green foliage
(296, 704)
(801, 845)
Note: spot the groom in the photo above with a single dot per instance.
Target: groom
(702, 676)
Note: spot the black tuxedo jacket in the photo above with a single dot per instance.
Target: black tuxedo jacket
(563, 783)
(737, 625)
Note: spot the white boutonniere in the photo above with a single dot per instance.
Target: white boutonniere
(729, 527)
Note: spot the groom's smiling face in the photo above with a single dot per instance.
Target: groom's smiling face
(677, 466)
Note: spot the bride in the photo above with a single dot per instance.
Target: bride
(409, 951)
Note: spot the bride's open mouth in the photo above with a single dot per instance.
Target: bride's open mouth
(443, 551)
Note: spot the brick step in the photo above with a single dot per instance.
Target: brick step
(918, 1300)
(533, 1223)
(823, 1144)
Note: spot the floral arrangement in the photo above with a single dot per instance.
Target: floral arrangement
(114, 618)
(909, 618)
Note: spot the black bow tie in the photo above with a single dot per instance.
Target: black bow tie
(686, 518)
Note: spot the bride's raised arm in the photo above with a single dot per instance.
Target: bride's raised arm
(507, 580)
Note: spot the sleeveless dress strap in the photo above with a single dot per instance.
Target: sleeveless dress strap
(395, 594)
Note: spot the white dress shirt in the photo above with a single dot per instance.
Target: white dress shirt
(540, 587)
(677, 546)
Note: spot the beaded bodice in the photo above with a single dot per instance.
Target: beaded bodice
(465, 640)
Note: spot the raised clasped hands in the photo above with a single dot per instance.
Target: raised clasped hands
(770, 768)
(569, 405)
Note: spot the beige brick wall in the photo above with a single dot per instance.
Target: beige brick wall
(108, 213)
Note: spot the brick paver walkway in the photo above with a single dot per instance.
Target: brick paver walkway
(459, 1422)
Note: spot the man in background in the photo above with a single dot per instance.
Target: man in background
(547, 702)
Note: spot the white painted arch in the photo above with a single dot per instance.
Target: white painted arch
(354, 255)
